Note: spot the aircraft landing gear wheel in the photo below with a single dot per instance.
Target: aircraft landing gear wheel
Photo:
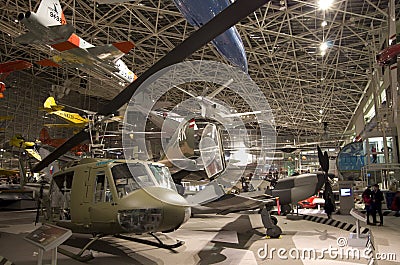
(285, 209)
(274, 232)
(274, 220)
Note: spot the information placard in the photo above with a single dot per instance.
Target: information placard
(48, 236)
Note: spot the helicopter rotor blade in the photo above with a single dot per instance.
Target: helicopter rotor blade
(65, 147)
(217, 25)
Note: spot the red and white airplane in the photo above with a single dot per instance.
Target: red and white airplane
(9, 67)
(49, 27)
(388, 56)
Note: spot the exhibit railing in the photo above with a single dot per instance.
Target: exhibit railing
(387, 175)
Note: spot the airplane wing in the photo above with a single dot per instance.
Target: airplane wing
(48, 62)
(63, 125)
(78, 58)
(231, 203)
(27, 38)
(12, 66)
(52, 34)
(6, 118)
(34, 154)
(213, 199)
(6, 172)
(111, 52)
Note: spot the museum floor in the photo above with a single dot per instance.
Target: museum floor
(212, 239)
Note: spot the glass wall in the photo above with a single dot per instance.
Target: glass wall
(376, 150)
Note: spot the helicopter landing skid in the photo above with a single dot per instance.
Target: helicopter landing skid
(79, 256)
(159, 243)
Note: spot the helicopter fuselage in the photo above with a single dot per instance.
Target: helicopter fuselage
(100, 196)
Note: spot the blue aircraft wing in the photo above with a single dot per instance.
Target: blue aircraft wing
(228, 44)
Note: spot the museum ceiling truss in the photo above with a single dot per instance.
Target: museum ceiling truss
(282, 41)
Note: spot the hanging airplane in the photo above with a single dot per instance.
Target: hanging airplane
(73, 119)
(388, 56)
(30, 147)
(46, 139)
(49, 27)
(228, 44)
(197, 13)
(9, 67)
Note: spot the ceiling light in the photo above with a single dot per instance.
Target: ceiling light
(325, 4)
(324, 23)
(321, 111)
(323, 46)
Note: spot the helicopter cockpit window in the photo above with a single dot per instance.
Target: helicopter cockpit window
(129, 177)
(163, 176)
(124, 182)
(102, 191)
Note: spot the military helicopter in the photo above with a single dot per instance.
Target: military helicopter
(101, 197)
(113, 197)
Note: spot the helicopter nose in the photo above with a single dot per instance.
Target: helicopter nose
(153, 209)
(173, 217)
(176, 210)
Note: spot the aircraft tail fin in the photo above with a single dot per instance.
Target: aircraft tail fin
(50, 169)
(44, 135)
(51, 10)
(51, 105)
(17, 140)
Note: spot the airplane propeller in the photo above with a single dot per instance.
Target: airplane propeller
(328, 193)
(217, 25)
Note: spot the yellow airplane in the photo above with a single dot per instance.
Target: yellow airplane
(73, 119)
(30, 147)
(7, 172)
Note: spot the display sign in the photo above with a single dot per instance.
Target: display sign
(344, 192)
(48, 236)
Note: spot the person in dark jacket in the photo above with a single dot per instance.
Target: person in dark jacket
(376, 204)
(366, 197)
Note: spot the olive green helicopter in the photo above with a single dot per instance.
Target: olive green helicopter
(113, 197)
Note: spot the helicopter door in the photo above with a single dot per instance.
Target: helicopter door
(81, 192)
(60, 196)
(102, 210)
